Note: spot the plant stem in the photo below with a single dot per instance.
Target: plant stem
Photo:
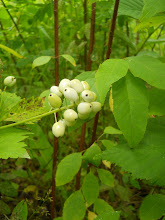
(158, 36)
(55, 151)
(112, 29)
(89, 62)
(36, 117)
(143, 44)
(127, 29)
(108, 54)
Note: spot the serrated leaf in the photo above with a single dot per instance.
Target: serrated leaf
(101, 206)
(27, 108)
(4, 208)
(152, 207)
(69, 58)
(147, 160)
(149, 69)
(130, 107)
(90, 188)
(152, 7)
(111, 130)
(74, 207)
(106, 177)
(20, 212)
(90, 154)
(132, 8)
(68, 168)
(11, 143)
(41, 61)
(157, 102)
(7, 102)
(109, 72)
(9, 50)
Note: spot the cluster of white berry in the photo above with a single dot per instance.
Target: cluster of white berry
(76, 92)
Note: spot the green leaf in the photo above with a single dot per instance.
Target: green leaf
(106, 177)
(130, 108)
(132, 8)
(74, 207)
(27, 108)
(101, 207)
(7, 102)
(4, 208)
(121, 35)
(152, 7)
(8, 189)
(69, 58)
(149, 69)
(109, 216)
(109, 72)
(157, 102)
(111, 130)
(147, 160)
(90, 153)
(151, 22)
(90, 188)
(41, 61)
(11, 143)
(20, 212)
(68, 168)
(11, 51)
(152, 207)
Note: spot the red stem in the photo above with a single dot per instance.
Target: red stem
(56, 43)
(108, 54)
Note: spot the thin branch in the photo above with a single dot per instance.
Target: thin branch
(112, 29)
(13, 22)
(55, 151)
(158, 36)
(143, 44)
(108, 54)
(89, 62)
(36, 117)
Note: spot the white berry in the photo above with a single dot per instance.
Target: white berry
(95, 96)
(76, 85)
(54, 100)
(55, 90)
(63, 122)
(10, 81)
(58, 129)
(70, 115)
(70, 94)
(84, 108)
(64, 84)
(68, 123)
(96, 107)
(87, 95)
(85, 85)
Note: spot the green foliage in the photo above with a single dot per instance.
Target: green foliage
(90, 188)
(11, 145)
(106, 177)
(74, 207)
(111, 130)
(157, 101)
(69, 58)
(130, 108)
(152, 207)
(9, 189)
(90, 154)
(41, 61)
(151, 8)
(9, 50)
(20, 212)
(109, 72)
(7, 102)
(146, 161)
(149, 69)
(4, 208)
(27, 108)
(68, 168)
(100, 206)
